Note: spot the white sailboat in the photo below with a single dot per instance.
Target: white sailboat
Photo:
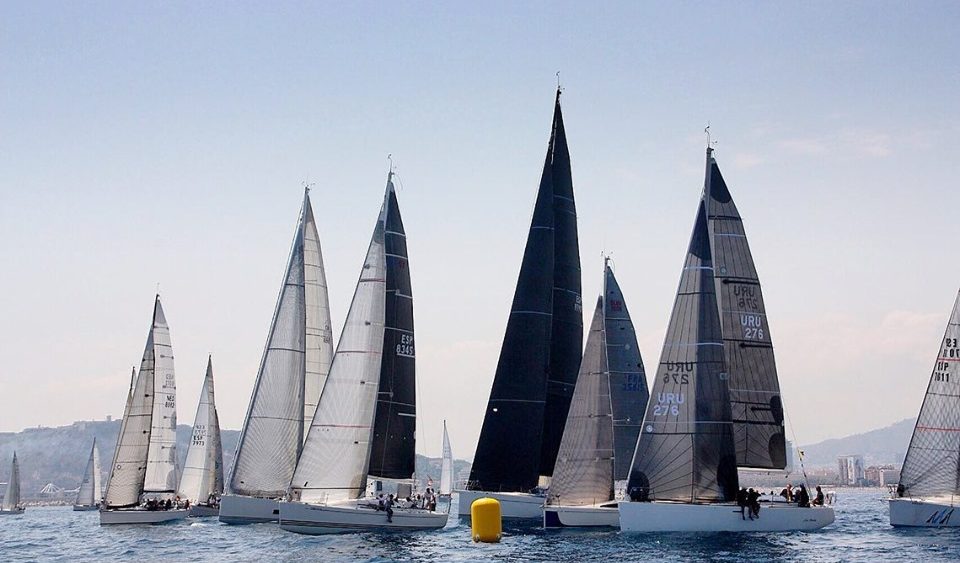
(366, 421)
(11, 499)
(715, 404)
(446, 466)
(928, 492)
(604, 420)
(201, 482)
(90, 495)
(292, 372)
(143, 476)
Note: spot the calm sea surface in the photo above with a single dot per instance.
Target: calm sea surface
(861, 533)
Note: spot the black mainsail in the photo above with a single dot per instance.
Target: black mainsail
(393, 451)
(686, 451)
(541, 350)
(754, 389)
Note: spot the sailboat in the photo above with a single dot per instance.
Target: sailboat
(446, 466)
(11, 499)
(201, 482)
(929, 488)
(90, 495)
(292, 372)
(715, 404)
(604, 420)
(540, 355)
(143, 476)
(365, 424)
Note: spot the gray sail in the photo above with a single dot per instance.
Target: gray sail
(11, 499)
(932, 465)
(89, 492)
(584, 470)
(754, 388)
(202, 475)
(317, 327)
(125, 481)
(272, 434)
(685, 452)
(162, 474)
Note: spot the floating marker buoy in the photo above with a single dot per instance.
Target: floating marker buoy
(485, 520)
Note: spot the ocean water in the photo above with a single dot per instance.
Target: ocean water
(861, 533)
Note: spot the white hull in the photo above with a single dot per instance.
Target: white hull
(937, 513)
(13, 512)
(679, 517)
(85, 507)
(203, 511)
(140, 516)
(581, 516)
(311, 519)
(236, 509)
(513, 506)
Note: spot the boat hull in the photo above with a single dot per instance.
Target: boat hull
(923, 513)
(85, 507)
(513, 506)
(141, 517)
(203, 511)
(237, 509)
(303, 518)
(581, 516)
(679, 517)
(13, 512)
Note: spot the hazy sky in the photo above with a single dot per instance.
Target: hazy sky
(146, 143)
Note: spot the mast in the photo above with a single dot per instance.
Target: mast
(541, 350)
(748, 349)
(932, 464)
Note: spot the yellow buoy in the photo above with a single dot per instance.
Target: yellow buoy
(485, 520)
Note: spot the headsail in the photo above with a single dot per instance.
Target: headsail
(125, 482)
(748, 349)
(161, 474)
(541, 350)
(333, 465)
(292, 372)
(932, 465)
(203, 468)
(11, 499)
(685, 451)
(446, 465)
(89, 492)
(393, 451)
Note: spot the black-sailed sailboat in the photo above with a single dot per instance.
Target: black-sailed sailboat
(541, 352)
(715, 403)
(604, 419)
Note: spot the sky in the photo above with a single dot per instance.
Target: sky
(166, 144)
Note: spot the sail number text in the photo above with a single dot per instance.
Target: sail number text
(668, 404)
(951, 350)
(405, 347)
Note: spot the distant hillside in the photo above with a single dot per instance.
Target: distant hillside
(59, 455)
(881, 446)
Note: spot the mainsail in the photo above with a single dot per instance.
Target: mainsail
(203, 469)
(393, 451)
(607, 408)
(336, 454)
(11, 499)
(292, 371)
(161, 473)
(932, 465)
(685, 451)
(541, 350)
(754, 389)
(89, 493)
(446, 465)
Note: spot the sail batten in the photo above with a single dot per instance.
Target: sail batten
(542, 344)
(932, 463)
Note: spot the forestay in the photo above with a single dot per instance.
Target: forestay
(333, 465)
(757, 409)
(89, 493)
(203, 469)
(685, 451)
(161, 475)
(932, 465)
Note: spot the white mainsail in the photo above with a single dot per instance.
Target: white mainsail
(89, 493)
(333, 465)
(446, 465)
(292, 371)
(203, 469)
(11, 499)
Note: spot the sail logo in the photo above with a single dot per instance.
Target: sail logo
(940, 517)
(616, 305)
(405, 347)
